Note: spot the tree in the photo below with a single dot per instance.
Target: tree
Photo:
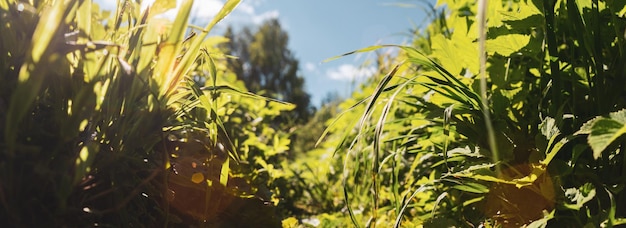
(268, 67)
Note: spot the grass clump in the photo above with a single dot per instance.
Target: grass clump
(120, 118)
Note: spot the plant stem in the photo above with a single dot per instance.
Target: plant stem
(548, 7)
(482, 36)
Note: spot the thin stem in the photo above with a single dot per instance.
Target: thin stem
(553, 54)
(482, 36)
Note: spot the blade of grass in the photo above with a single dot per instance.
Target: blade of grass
(447, 113)
(195, 47)
(40, 57)
(378, 131)
(166, 61)
(482, 37)
(436, 204)
(422, 188)
(245, 94)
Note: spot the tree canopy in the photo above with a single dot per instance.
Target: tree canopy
(268, 67)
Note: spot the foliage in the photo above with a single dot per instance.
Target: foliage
(414, 141)
(126, 118)
(267, 66)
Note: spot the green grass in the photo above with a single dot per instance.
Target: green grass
(506, 114)
(103, 110)
(489, 109)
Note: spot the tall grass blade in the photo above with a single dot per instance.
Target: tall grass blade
(422, 188)
(482, 39)
(447, 114)
(39, 58)
(378, 131)
(336, 120)
(347, 200)
(195, 47)
(166, 78)
(437, 201)
(227, 88)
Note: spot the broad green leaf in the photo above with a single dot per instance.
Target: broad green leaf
(603, 133)
(548, 128)
(525, 10)
(577, 197)
(506, 45)
(455, 55)
(619, 116)
(587, 126)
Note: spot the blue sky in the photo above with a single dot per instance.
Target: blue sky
(320, 29)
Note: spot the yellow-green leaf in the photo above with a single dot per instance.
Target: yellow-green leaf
(161, 6)
(224, 173)
(603, 133)
(506, 45)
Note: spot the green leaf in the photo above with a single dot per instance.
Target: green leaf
(587, 126)
(366, 49)
(507, 44)
(543, 222)
(224, 173)
(472, 187)
(527, 10)
(188, 58)
(455, 55)
(577, 197)
(603, 133)
(619, 116)
(548, 128)
(169, 51)
(161, 6)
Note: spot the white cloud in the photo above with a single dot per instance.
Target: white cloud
(258, 19)
(309, 66)
(204, 10)
(348, 72)
(246, 7)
